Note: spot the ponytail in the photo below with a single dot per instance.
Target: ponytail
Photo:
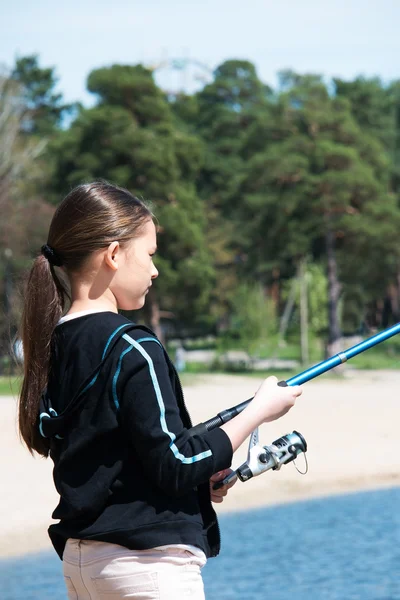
(43, 307)
(89, 218)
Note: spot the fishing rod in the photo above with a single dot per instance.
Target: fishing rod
(286, 448)
(307, 375)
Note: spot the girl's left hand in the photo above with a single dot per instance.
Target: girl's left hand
(218, 495)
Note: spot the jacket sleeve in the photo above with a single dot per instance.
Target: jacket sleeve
(175, 461)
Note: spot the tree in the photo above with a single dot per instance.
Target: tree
(43, 106)
(25, 216)
(372, 106)
(376, 108)
(309, 187)
(227, 108)
(223, 113)
(130, 138)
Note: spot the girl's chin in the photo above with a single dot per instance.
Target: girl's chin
(137, 305)
(141, 302)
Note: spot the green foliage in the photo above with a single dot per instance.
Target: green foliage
(130, 138)
(253, 319)
(373, 106)
(10, 386)
(312, 188)
(317, 287)
(317, 299)
(25, 120)
(245, 181)
(43, 105)
(133, 88)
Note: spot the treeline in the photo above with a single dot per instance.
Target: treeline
(255, 189)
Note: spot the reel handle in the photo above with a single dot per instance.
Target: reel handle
(263, 458)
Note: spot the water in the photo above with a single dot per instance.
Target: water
(339, 548)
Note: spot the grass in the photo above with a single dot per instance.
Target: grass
(382, 356)
(375, 360)
(10, 386)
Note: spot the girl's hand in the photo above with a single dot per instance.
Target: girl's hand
(270, 402)
(274, 401)
(218, 495)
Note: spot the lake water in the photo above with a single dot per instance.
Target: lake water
(339, 548)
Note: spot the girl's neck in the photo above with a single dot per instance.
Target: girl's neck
(75, 315)
(91, 305)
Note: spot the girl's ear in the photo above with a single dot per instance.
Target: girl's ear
(112, 255)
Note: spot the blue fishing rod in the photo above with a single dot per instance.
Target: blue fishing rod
(311, 373)
(285, 449)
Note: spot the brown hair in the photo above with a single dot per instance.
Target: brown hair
(89, 218)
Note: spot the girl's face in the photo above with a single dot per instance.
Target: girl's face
(133, 278)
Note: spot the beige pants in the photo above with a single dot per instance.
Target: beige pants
(102, 571)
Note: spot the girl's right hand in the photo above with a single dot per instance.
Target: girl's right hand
(270, 402)
(273, 401)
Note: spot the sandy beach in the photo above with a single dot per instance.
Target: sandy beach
(351, 426)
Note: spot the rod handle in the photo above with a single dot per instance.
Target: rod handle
(199, 429)
(223, 417)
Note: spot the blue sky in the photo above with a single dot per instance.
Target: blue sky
(342, 38)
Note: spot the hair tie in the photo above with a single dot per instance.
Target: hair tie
(51, 255)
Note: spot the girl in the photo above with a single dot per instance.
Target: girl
(101, 397)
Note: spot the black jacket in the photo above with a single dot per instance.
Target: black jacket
(126, 468)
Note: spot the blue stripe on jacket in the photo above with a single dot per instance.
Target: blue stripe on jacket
(135, 344)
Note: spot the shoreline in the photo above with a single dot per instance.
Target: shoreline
(350, 426)
(36, 540)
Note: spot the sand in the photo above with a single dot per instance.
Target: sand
(351, 425)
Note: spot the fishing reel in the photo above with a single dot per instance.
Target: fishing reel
(263, 458)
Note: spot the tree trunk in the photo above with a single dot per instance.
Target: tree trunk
(287, 313)
(334, 290)
(275, 291)
(394, 299)
(154, 312)
(305, 358)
